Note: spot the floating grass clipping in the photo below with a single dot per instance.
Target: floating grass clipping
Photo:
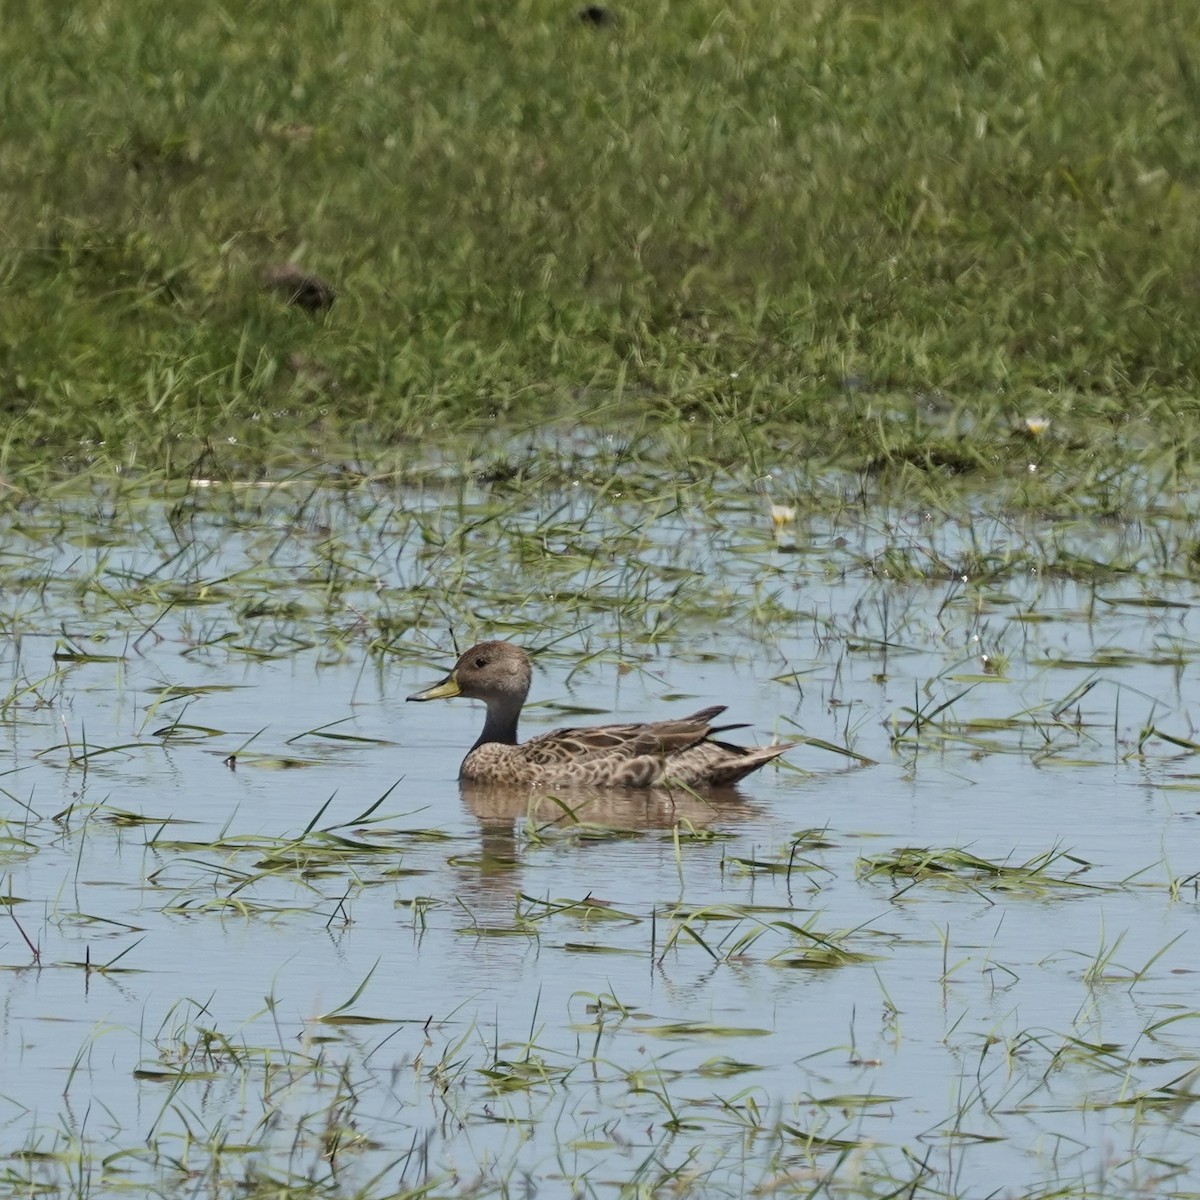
(1171, 739)
(911, 723)
(817, 951)
(1103, 969)
(586, 911)
(959, 868)
(807, 947)
(302, 861)
(1050, 727)
(342, 1015)
(790, 860)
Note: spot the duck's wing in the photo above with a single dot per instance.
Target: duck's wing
(590, 743)
(635, 756)
(681, 751)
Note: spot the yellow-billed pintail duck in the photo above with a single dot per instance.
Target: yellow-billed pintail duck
(654, 754)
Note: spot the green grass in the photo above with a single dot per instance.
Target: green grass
(813, 219)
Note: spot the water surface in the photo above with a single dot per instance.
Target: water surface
(275, 938)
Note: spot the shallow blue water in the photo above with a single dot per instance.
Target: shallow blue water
(986, 1043)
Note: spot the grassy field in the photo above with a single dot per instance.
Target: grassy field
(804, 222)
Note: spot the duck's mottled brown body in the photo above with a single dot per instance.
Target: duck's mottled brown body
(654, 754)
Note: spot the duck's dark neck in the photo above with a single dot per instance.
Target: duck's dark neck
(500, 725)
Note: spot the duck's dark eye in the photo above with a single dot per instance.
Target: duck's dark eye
(480, 663)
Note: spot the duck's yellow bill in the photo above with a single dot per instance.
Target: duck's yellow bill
(440, 691)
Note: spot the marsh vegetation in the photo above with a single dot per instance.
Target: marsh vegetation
(835, 363)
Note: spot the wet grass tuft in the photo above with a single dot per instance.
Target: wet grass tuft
(1037, 876)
